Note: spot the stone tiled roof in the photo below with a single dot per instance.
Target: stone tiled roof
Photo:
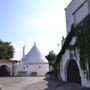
(34, 56)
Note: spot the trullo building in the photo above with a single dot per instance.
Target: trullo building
(74, 57)
(33, 64)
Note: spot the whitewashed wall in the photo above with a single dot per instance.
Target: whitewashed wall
(63, 72)
(41, 69)
(82, 12)
(8, 65)
(71, 8)
(64, 64)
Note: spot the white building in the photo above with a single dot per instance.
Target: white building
(7, 67)
(76, 11)
(33, 64)
(70, 69)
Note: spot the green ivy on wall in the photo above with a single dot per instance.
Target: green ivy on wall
(82, 33)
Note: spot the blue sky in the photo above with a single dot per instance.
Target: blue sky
(23, 22)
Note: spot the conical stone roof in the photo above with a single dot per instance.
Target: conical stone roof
(34, 56)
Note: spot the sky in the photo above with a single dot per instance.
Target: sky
(23, 22)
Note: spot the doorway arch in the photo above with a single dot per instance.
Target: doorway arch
(73, 74)
(4, 71)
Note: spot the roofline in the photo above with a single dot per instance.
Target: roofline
(36, 63)
(71, 3)
(68, 5)
(79, 7)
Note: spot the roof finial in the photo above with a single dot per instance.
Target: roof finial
(34, 43)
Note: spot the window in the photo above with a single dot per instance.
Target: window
(39, 67)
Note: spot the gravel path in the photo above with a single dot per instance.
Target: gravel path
(37, 83)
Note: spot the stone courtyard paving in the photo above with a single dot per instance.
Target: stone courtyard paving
(37, 83)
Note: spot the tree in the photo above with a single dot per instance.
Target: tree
(51, 57)
(6, 50)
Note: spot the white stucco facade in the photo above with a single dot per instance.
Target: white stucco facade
(33, 62)
(40, 69)
(76, 11)
(81, 13)
(9, 65)
(64, 64)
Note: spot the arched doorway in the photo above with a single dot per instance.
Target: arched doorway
(73, 74)
(4, 71)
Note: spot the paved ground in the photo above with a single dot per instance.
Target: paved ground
(37, 83)
(54, 85)
(17, 83)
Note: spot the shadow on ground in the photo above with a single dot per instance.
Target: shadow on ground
(60, 85)
(54, 85)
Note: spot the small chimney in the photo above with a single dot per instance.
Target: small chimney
(23, 51)
(34, 43)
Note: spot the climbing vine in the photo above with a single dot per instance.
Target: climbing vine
(82, 33)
